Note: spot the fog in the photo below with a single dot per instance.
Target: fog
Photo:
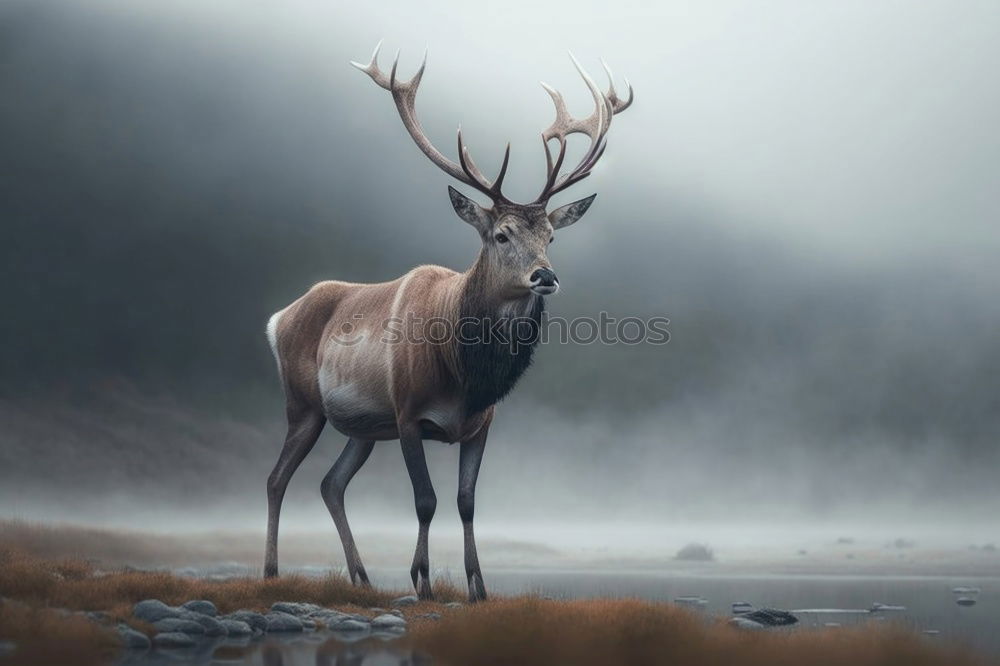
(807, 190)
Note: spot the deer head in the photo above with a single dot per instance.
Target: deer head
(515, 236)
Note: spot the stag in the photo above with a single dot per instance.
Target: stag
(374, 387)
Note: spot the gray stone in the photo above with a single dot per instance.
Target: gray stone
(388, 621)
(173, 639)
(202, 606)
(348, 624)
(256, 620)
(152, 610)
(211, 625)
(397, 612)
(294, 608)
(100, 617)
(430, 616)
(170, 625)
(743, 623)
(236, 627)
(408, 600)
(282, 622)
(132, 639)
(454, 604)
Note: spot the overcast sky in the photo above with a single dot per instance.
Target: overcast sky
(809, 191)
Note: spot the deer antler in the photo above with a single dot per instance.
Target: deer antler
(405, 95)
(596, 126)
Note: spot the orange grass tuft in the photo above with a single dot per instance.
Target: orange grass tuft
(530, 631)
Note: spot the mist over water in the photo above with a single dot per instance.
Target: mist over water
(806, 191)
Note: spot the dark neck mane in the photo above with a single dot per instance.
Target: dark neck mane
(506, 333)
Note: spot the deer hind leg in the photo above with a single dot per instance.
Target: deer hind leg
(425, 502)
(470, 457)
(354, 455)
(304, 428)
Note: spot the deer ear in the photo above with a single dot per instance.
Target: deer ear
(570, 213)
(469, 210)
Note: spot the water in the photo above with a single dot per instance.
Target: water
(930, 605)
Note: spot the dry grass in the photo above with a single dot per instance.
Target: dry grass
(523, 631)
(45, 636)
(78, 585)
(529, 631)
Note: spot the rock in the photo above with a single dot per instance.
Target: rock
(173, 639)
(770, 617)
(202, 606)
(691, 601)
(741, 607)
(742, 622)
(348, 624)
(695, 552)
(256, 621)
(376, 610)
(295, 608)
(308, 624)
(396, 612)
(282, 622)
(408, 600)
(7, 647)
(388, 621)
(235, 627)
(454, 604)
(132, 639)
(430, 616)
(171, 625)
(211, 625)
(152, 610)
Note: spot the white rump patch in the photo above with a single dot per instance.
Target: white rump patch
(272, 337)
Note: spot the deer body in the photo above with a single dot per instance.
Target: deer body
(364, 357)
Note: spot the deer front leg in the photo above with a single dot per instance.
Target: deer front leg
(470, 457)
(334, 485)
(425, 502)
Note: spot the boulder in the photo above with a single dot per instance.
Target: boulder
(132, 639)
(388, 621)
(294, 608)
(170, 625)
(173, 639)
(202, 606)
(256, 620)
(236, 627)
(282, 622)
(408, 600)
(152, 610)
(211, 625)
(348, 624)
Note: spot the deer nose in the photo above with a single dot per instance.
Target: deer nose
(544, 277)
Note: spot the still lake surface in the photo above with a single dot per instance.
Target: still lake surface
(930, 606)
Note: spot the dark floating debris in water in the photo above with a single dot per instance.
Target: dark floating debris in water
(771, 617)
(965, 601)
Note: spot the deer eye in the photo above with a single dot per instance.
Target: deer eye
(551, 239)
(501, 238)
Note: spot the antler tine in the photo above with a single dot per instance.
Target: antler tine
(404, 94)
(595, 126)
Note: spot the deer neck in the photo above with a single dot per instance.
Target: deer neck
(506, 333)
